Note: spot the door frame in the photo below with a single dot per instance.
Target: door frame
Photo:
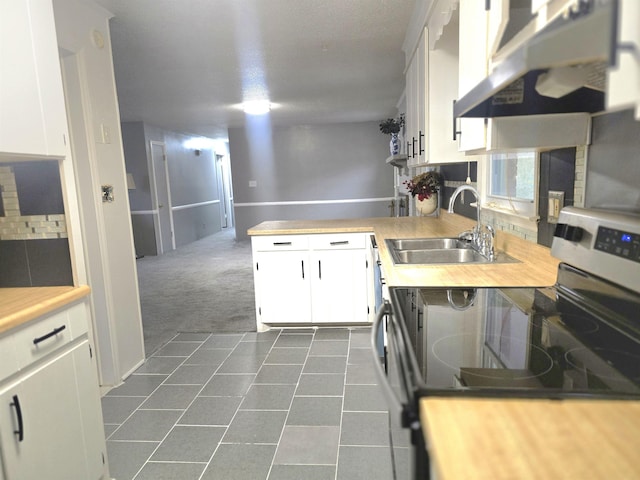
(156, 203)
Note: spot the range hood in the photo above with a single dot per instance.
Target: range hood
(561, 69)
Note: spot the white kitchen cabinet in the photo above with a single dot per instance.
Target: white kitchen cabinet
(432, 86)
(442, 91)
(623, 81)
(311, 279)
(416, 93)
(281, 277)
(472, 69)
(50, 413)
(339, 285)
(32, 110)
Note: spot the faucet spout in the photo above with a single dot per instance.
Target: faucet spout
(458, 191)
(482, 235)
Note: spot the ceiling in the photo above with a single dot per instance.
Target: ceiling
(186, 65)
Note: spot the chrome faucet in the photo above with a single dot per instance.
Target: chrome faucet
(481, 236)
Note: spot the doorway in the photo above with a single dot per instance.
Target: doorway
(163, 215)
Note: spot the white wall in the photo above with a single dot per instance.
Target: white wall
(83, 39)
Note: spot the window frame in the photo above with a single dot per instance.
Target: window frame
(513, 206)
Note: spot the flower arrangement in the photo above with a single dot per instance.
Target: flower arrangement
(424, 185)
(392, 125)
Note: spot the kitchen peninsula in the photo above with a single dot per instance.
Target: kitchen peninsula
(535, 267)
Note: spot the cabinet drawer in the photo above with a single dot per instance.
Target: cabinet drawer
(78, 319)
(338, 241)
(8, 362)
(41, 337)
(280, 242)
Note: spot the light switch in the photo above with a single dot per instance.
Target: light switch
(556, 202)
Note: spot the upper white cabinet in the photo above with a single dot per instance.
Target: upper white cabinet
(416, 92)
(472, 68)
(432, 86)
(442, 143)
(623, 80)
(32, 110)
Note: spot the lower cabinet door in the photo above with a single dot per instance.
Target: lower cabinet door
(84, 358)
(40, 427)
(284, 287)
(339, 286)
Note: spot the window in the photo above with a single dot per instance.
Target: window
(513, 182)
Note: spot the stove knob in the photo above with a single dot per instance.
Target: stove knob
(568, 232)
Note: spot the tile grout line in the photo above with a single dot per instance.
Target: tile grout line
(237, 410)
(190, 403)
(290, 405)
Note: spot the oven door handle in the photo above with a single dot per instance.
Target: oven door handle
(393, 400)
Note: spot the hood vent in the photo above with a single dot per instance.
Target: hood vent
(562, 69)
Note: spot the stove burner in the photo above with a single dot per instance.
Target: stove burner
(443, 347)
(580, 324)
(609, 364)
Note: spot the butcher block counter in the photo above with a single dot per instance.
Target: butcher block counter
(20, 305)
(505, 439)
(536, 266)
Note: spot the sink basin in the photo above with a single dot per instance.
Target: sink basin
(449, 255)
(426, 243)
(424, 251)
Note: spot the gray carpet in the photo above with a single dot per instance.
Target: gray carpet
(205, 286)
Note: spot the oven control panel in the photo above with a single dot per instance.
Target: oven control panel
(619, 243)
(600, 242)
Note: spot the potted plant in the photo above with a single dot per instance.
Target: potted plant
(392, 126)
(425, 187)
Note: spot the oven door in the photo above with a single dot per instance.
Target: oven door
(400, 383)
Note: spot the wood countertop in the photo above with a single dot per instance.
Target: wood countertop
(532, 439)
(536, 266)
(20, 305)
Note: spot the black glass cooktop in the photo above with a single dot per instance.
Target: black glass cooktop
(526, 341)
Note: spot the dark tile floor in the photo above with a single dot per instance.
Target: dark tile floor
(278, 405)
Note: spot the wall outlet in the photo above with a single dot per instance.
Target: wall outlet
(253, 183)
(105, 133)
(556, 202)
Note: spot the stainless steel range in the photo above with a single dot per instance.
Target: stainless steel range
(579, 338)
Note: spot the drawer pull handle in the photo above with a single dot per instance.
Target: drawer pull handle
(52, 333)
(342, 242)
(20, 431)
(281, 244)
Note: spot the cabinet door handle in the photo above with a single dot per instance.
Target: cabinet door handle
(319, 269)
(408, 145)
(420, 147)
(52, 333)
(281, 244)
(20, 431)
(413, 147)
(342, 242)
(302, 262)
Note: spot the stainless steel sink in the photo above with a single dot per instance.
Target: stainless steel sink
(426, 243)
(424, 251)
(449, 255)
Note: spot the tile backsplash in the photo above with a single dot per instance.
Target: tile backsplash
(34, 248)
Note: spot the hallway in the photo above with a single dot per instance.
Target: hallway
(205, 286)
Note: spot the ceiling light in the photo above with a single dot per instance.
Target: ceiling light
(256, 107)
